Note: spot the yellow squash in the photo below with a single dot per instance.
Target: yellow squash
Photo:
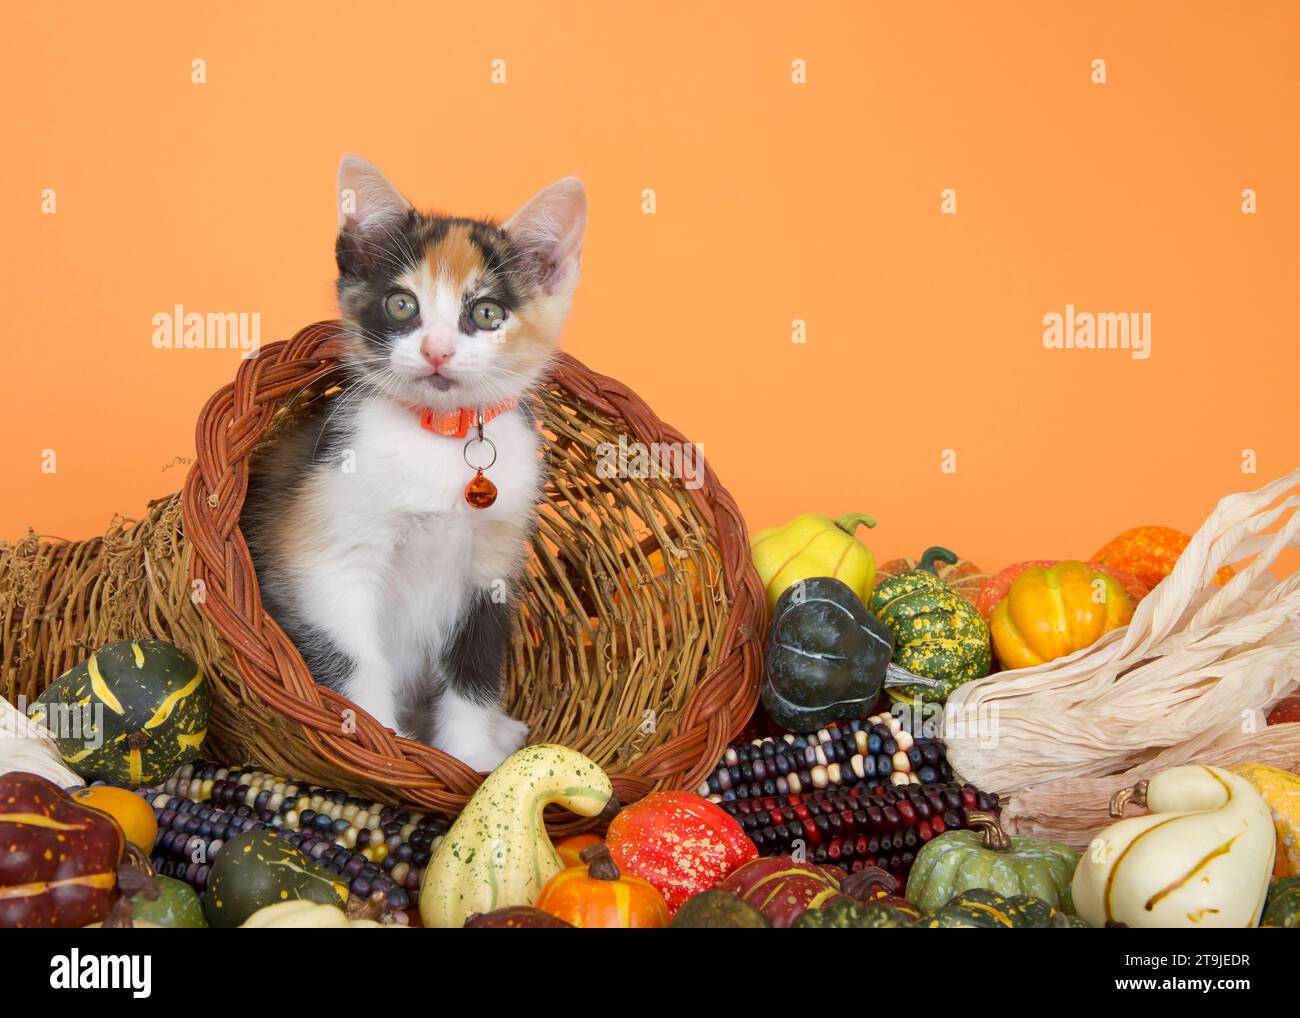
(1280, 791)
(814, 545)
(1049, 613)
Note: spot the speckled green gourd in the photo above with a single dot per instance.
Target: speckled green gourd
(962, 860)
(1282, 906)
(176, 907)
(497, 853)
(260, 868)
(981, 908)
(937, 633)
(130, 714)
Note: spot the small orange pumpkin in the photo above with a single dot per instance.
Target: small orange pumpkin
(570, 849)
(600, 897)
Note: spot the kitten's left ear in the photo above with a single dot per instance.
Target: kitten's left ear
(550, 227)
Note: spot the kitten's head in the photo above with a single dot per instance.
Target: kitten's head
(447, 313)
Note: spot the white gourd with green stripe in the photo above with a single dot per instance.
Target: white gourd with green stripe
(497, 853)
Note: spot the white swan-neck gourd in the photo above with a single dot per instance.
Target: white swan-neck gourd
(497, 853)
(1200, 859)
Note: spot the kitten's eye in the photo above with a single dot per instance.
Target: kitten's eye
(401, 306)
(487, 314)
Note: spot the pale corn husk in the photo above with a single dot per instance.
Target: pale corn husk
(1186, 681)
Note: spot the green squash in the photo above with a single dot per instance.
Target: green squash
(176, 907)
(826, 656)
(937, 633)
(130, 714)
(718, 909)
(846, 914)
(259, 868)
(985, 857)
(976, 909)
(1282, 905)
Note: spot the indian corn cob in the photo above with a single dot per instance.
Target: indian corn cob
(881, 825)
(879, 749)
(374, 846)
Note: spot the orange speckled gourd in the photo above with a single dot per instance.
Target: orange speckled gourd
(1149, 553)
(680, 842)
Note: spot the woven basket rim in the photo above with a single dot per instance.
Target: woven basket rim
(230, 426)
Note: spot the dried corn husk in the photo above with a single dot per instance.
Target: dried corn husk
(1190, 675)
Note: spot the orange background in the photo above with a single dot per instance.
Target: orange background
(776, 201)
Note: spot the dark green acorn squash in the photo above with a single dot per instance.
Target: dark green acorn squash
(1282, 905)
(937, 633)
(718, 909)
(130, 714)
(259, 868)
(826, 656)
(978, 908)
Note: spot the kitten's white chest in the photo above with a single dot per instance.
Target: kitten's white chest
(395, 495)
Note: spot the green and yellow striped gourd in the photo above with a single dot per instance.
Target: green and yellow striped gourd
(130, 714)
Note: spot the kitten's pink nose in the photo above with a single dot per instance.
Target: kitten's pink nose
(436, 356)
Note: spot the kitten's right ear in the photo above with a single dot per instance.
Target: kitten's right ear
(367, 199)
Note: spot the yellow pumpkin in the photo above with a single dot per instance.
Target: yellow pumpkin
(1049, 613)
(1280, 791)
(814, 545)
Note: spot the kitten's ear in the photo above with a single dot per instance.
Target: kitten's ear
(550, 228)
(366, 197)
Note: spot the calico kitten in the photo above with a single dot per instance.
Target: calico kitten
(396, 591)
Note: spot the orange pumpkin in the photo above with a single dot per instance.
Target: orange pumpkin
(965, 578)
(1049, 613)
(570, 849)
(1149, 553)
(996, 588)
(600, 897)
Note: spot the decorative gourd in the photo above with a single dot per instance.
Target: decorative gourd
(260, 868)
(1282, 906)
(600, 897)
(497, 852)
(985, 857)
(307, 915)
(993, 591)
(844, 913)
(515, 917)
(1280, 791)
(679, 842)
(718, 909)
(26, 746)
(1150, 553)
(1201, 858)
(964, 578)
(937, 634)
(814, 545)
(58, 858)
(1049, 613)
(130, 714)
(132, 813)
(981, 908)
(827, 657)
(176, 906)
(782, 888)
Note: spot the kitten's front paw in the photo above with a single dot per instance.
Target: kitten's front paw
(508, 734)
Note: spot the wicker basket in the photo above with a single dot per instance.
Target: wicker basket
(638, 639)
